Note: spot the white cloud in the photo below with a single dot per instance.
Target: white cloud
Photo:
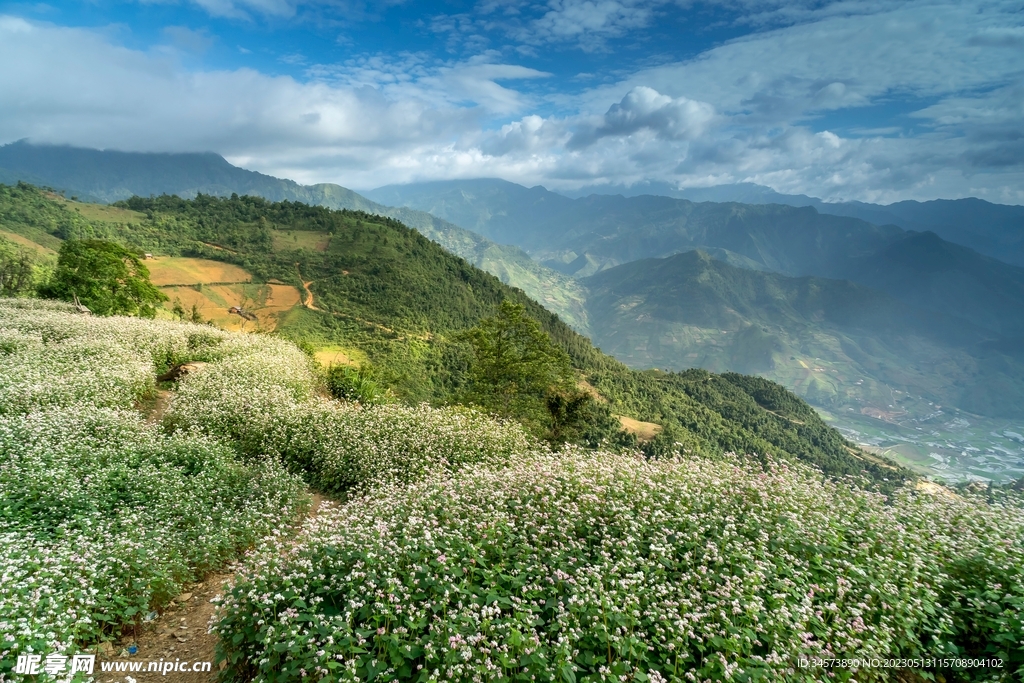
(586, 23)
(73, 86)
(753, 109)
(645, 109)
(919, 48)
(188, 40)
(576, 19)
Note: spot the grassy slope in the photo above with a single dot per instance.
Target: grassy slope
(395, 296)
(833, 342)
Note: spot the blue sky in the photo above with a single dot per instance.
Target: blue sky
(856, 99)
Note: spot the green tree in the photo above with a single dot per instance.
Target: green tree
(17, 269)
(106, 277)
(515, 366)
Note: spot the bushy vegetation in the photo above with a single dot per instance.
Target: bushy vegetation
(106, 277)
(600, 567)
(273, 410)
(21, 270)
(353, 384)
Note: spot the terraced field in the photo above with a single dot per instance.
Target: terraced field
(164, 271)
(266, 301)
(214, 287)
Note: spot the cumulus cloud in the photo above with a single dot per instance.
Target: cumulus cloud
(532, 135)
(645, 109)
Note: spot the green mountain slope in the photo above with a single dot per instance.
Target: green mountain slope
(835, 343)
(109, 176)
(398, 298)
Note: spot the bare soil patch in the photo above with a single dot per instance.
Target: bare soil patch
(645, 431)
(175, 270)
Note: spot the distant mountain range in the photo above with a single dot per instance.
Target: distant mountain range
(995, 230)
(583, 236)
(109, 176)
(832, 341)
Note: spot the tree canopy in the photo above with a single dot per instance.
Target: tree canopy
(17, 269)
(515, 365)
(106, 277)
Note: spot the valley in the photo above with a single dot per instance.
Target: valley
(927, 323)
(953, 447)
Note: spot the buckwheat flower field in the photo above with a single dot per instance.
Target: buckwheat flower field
(102, 516)
(51, 357)
(602, 567)
(458, 548)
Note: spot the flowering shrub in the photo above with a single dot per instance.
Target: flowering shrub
(265, 401)
(593, 567)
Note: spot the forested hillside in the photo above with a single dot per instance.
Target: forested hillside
(386, 291)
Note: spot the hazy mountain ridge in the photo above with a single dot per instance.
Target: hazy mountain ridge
(996, 230)
(833, 342)
(109, 176)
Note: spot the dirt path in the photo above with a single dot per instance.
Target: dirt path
(308, 302)
(160, 406)
(180, 634)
